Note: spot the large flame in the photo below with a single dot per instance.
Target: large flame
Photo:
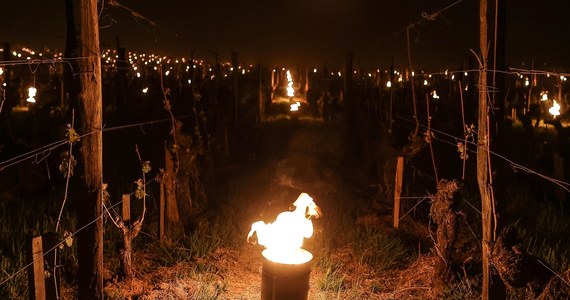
(284, 237)
(290, 89)
(555, 109)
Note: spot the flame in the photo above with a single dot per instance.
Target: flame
(295, 106)
(290, 89)
(284, 237)
(555, 109)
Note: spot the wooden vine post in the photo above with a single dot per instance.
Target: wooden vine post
(169, 219)
(36, 272)
(398, 190)
(483, 154)
(83, 43)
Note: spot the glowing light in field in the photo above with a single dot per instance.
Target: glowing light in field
(555, 109)
(526, 82)
(290, 89)
(295, 106)
(434, 94)
(425, 82)
(543, 96)
(315, 70)
(32, 92)
(284, 237)
(389, 84)
(145, 90)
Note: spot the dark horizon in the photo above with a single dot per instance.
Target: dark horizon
(307, 32)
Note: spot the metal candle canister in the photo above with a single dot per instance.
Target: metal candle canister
(284, 281)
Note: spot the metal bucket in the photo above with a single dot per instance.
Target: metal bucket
(281, 281)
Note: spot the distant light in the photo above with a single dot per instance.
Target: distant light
(155, 68)
(290, 89)
(232, 69)
(434, 94)
(1, 71)
(445, 72)
(189, 81)
(413, 73)
(425, 82)
(526, 82)
(315, 70)
(452, 76)
(295, 106)
(544, 96)
(167, 72)
(389, 84)
(339, 74)
(139, 74)
(555, 109)
(32, 92)
(369, 74)
(145, 90)
(243, 71)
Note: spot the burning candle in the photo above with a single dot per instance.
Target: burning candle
(286, 266)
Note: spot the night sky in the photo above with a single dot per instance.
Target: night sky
(305, 32)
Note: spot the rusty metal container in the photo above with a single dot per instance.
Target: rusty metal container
(281, 281)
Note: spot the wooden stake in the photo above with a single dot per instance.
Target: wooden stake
(483, 146)
(398, 190)
(161, 208)
(126, 208)
(36, 275)
(171, 207)
(83, 38)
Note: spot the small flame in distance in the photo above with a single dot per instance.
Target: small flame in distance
(555, 109)
(284, 237)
